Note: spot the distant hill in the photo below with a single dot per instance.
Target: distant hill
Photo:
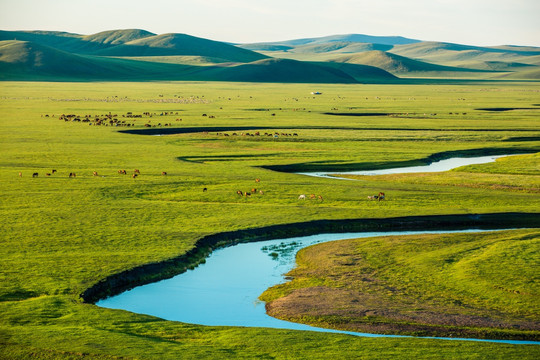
(343, 47)
(135, 54)
(530, 74)
(118, 37)
(408, 57)
(134, 42)
(24, 60)
(358, 38)
(364, 73)
(180, 44)
(281, 70)
(394, 63)
(496, 65)
(453, 53)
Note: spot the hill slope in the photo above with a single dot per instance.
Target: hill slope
(134, 54)
(134, 42)
(357, 38)
(448, 53)
(23, 60)
(394, 63)
(279, 70)
(181, 44)
(117, 37)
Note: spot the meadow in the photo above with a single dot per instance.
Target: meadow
(468, 285)
(62, 235)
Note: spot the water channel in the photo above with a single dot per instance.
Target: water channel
(436, 166)
(224, 290)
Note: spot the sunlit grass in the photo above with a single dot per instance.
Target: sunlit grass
(61, 235)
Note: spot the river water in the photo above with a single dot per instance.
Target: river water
(224, 291)
(436, 166)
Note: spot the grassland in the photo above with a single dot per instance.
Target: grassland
(62, 235)
(465, 285)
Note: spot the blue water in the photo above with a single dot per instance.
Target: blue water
(437, 166)
(224, 291)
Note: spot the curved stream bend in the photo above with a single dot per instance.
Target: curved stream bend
(436, 166)
(224, 291)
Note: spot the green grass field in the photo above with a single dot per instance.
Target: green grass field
(449, 285)
(62, 235)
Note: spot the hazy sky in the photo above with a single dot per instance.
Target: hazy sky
(474, 22)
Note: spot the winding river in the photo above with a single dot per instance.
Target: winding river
(436, 166)
(224, 290)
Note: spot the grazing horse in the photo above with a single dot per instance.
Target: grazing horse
(381, 196)
(35, 175)
(239, 192)
(312, 196)
(72, 174)
(134, 176)
(95, 173)
(302, 197)
(372, 197)
(261, 192)
(163, 173)
(136, 171)
(47, 174)
(53, 171)
(204, 189)
(257, 180)
(20, 174)
(247, 194)
(122, 172)
(320, 197)
(253, 191)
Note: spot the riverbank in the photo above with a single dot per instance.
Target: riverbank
(62, 235)
(117, 283)
(466, 285)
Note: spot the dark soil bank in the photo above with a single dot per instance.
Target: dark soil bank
(152, 272)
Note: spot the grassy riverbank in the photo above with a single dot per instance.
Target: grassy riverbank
(460, 285)
(62, 235)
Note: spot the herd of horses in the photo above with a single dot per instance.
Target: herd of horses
(136, 173)
(249, 193)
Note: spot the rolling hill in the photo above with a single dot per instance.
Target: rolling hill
(134, 42)
(395, 64)
(24, 60)
(351, 38)
(180, 44)
(497, 65)
(283, 70)
(118, 37)
(135, 54)
(447, 53)
(409, 57)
